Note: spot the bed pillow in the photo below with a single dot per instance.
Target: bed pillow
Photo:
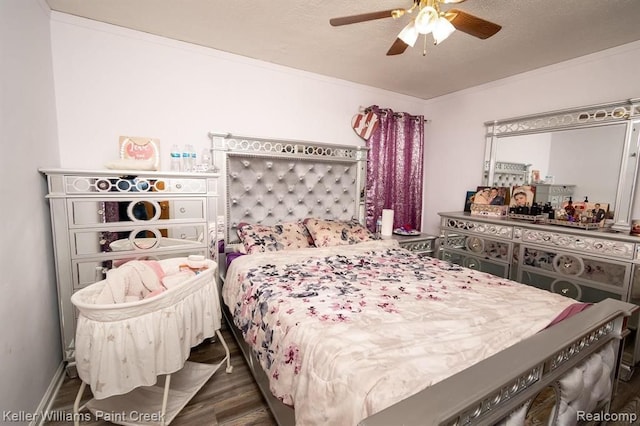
(327, 233)
(282, 236)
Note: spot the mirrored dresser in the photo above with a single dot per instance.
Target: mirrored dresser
(101, 219)
(586, 265)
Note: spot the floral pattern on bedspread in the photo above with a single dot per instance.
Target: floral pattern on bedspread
(313, 317)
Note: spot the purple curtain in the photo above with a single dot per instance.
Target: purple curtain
(394, 169)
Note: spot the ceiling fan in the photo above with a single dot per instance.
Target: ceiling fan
(429, 18)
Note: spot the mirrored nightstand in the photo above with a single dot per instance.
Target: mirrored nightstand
(423, 244)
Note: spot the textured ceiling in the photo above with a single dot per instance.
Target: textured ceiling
(297, 34)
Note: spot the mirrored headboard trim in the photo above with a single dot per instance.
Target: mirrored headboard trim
(626, 111)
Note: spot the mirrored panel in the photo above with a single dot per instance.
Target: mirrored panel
(585, 153)
(91, 185)
(94, 241)
(90, 212)
(587, 159)
(543, 409)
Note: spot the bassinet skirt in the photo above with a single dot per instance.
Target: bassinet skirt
(122, 346)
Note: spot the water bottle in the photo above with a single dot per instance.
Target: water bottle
(186, 159)
(378, 227)
(174, 166)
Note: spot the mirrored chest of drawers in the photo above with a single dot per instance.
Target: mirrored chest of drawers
(101, 219)
(586, 265)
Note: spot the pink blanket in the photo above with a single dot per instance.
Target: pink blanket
(131, 282)
(569, 311)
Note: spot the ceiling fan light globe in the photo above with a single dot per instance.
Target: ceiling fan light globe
(426, 20)
(409, 34)
(442, 29)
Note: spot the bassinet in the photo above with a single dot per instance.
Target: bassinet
(122, 348)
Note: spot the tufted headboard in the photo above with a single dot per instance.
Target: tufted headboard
(269, 181)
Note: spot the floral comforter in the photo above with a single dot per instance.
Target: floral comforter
(344, 332)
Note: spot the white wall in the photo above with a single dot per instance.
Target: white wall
(111, 81)
(455, 136)
(29, 333)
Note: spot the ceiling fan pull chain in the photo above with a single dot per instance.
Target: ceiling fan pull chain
(424, 47)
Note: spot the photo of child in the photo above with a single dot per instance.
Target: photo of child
(522, 196)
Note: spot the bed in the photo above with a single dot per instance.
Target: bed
(341, 328)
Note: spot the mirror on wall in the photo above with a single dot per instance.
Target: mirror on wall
(588, 152)
(587, 159)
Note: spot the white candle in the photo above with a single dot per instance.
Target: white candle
(387, 222)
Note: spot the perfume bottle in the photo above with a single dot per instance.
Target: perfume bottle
(571, 211)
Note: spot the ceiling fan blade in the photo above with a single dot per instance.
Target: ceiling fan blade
(398, 47)
(471, 25)
(451, 1)
(346, 20)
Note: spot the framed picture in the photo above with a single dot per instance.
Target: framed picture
(482, 195)
(491, 195)
(535, 176)
(146, 150)
(522, 195)
(598, 210)
(469, 200)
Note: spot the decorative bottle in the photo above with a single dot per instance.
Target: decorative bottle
(187, 165)
(571, 211)
(193, 160)
(205, 159)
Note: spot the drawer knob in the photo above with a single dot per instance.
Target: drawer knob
(475, 244)
(566, 288)
(568, 265)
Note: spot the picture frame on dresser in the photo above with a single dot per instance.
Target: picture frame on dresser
(469, 200)
(522, 195)
(482, 195)
(490, 201)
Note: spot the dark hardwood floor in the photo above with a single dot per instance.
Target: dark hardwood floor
(234, 399)
(226, 399)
